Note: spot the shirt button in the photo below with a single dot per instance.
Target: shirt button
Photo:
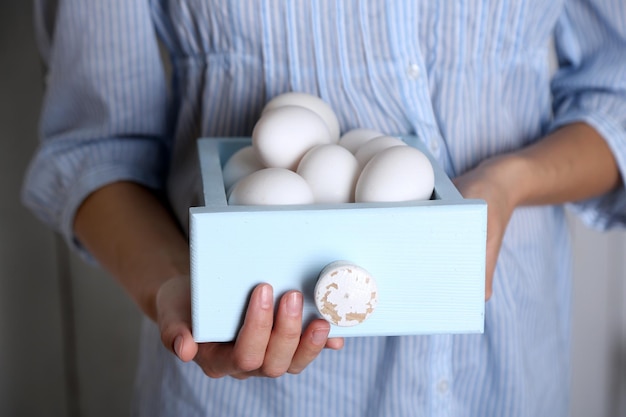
(413, 71)
(443, 386)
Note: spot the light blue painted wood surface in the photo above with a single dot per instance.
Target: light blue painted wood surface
(427, 257)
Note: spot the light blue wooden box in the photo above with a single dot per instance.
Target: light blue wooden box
(428, 258)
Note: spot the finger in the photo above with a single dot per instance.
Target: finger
(335, 343)
(309, 351)
(489, 279)
(285, 335)
(174, 318)
(313, 340)
(244, 356)
(494, 242)
(490, 264)
(248, 352)
(212, 357)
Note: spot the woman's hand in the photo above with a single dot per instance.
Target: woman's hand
(136, 238)
(570, 164)
(266, 345)
(492, 182)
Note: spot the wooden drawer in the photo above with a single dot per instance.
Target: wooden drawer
(428, 257)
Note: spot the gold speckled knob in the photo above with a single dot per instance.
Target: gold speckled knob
(345, 294)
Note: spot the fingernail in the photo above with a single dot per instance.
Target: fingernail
(178, 346)
(266, 297)
(294, 304)
(319, 336)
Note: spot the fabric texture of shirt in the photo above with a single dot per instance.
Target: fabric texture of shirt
(471, 79)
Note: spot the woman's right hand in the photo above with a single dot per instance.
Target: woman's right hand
(266, 345)
(134, 236)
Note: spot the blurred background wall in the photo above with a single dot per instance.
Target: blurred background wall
(68, 333)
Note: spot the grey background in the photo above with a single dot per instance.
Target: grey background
(68, 334)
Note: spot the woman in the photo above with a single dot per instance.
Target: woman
(117, 171)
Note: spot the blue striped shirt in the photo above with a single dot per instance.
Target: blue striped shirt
(472, 79)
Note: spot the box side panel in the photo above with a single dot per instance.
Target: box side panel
(428, 263)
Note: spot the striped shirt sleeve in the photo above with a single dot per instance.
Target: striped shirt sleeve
(104, 115)
(590, 86)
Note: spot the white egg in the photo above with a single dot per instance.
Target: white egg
(283, 135)
(400, 173)
(353, 139)
(311, 102)
(271, 186)
(374, 146)
(331, 171)
(241, 163)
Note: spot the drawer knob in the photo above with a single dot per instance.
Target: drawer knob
(345, 294)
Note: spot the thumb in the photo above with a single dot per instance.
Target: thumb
(173, 304)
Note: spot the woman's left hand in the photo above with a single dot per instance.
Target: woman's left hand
(491, 181)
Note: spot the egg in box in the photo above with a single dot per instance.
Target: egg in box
(367, 225)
